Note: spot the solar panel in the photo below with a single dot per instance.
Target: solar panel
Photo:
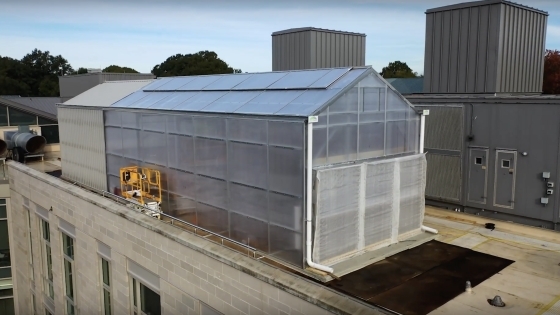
(298, 79)
(268, 102)
(199, 83)
(227, 82)
(260, 81)
(132, 98)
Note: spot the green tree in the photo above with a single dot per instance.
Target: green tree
(398, 69)
(118, 69)
(80, 71)
(44, 71)
(200, 63)
(551, 79)
(14, 77)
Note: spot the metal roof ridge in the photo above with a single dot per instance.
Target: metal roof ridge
(310, 28)
(471, 4)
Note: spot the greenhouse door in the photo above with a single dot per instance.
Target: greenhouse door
(478, 175)
(504, 180)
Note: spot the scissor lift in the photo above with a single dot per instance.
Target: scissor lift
(142, 186)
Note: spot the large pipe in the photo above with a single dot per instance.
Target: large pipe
(421, 149)
(29, 142)
(309, 203)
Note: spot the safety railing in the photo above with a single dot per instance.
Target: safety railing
(182, 224)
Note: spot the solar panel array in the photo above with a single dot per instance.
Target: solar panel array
(289, 93)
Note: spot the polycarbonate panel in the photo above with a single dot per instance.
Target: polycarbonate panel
(199, 101)
(114, 164)
(210, 127)
(347, 103)
(343, 143)
(396, 137)
(411, 193)
(247, 164)
(248, 200)
(286, 211)
(337, 224)
(231, 101)
(130, 120)
(162, 170)
(154, 147)
(319, 146)
(130, 99)
(247, 130)
(371, 138)
(175, 83)
(130, 143)
(173, 100)
(154, 122)
(372, 81)
(210, 157)
(182, 183)
(199, 83)
(112, 118)
(348, 78)
(329, 78)
(374, 99)
(180, 124)
(150, 99)
(113, 140)
(286, 134)
(286, 245)
(413, 137)
(286, 171)
(156, 83)
(211, 191)
(299, 79)
(397, 115)
(260, 81)
(182, 207)
(308, 102)
(181, 152)
(249, 231)
(268, 102)
(396, 102)
(213, 219)
(227, 82)
(379, 194)
(113, 184)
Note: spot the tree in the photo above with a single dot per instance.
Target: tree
(203, 62)
(80, 71)
(398, 69)
(551, 79)
(118, 69)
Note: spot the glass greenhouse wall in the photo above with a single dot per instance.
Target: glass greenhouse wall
(241, 178)
(232, 148)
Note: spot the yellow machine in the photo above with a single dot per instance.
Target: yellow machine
(143, 186)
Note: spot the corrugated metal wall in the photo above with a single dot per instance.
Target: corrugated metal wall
(522, 48)
(494, 48)
(82, 146)
(311, 49)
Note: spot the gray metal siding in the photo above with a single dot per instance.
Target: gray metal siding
(82, 146)
(317, 49)
(443, 177)
(489, 48)
(522, 44)
(460, 54)
(73, 85)
(444, 128)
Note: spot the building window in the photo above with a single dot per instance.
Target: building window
(478, 160)
(68, 251)
(32, 277)
(106, 281)
(3, 115)
(5, 265)
(47, 258)
(7, 302)
(505, 163)
(17, 118)
(47, 312)
(50, 133)
(144, 300)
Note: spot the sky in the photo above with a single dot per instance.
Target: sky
(143, 33)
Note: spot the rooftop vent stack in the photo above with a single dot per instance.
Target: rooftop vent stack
(491, 46)
(314, 48)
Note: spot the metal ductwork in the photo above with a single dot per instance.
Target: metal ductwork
(23, 142)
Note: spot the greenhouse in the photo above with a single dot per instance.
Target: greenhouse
(232, 154)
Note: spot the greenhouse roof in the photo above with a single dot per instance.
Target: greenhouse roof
(285, 93)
